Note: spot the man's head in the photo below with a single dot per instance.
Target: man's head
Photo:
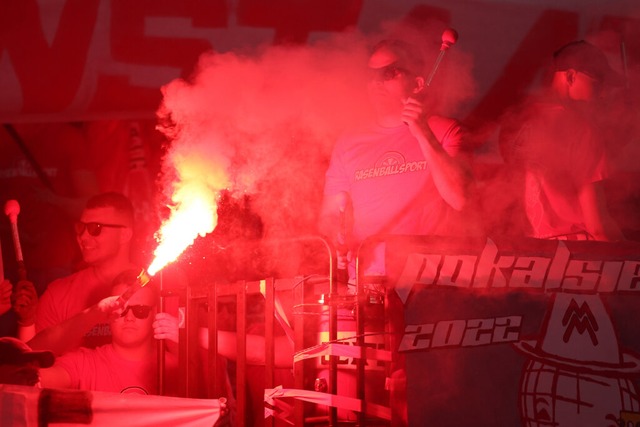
(19, 364)
(404, 55)
(133, 327)
(396, 73)
(105, 227)
(581, 69)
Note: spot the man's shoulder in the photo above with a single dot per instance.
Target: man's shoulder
(445, 128)
(442, 124)
(66, 281)
(444, 121)
(85, 353)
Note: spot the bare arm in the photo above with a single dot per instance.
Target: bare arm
(55, 377)
(227, 345)
(67, 335)
(25, 333)
(597, 219)
(451, 174)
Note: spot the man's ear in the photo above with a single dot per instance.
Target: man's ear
(126, 234)
(570, 76)
(419, 86)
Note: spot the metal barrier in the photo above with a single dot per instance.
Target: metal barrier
(307, 309)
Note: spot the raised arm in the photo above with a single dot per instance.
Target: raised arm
(227, 347)
(67, 335)
(449, 167)
(55, 377)
(598, 221)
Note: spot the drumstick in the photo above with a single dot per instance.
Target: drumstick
(12, 209)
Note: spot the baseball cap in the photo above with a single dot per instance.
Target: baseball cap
(584, 57)
(15, 352)
(409, 57)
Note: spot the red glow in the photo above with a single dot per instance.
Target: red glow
(193, 214)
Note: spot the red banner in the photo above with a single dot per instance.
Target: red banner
(80, 59)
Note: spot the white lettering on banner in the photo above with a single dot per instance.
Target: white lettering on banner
(461, 333)
(491, 269)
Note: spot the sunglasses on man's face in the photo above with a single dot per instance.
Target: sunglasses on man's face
(94, 228)
(387, 73)
(139, 311)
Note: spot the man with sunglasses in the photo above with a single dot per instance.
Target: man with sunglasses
(555, 154)
(104, 234)
(405, 173)
(128, 364)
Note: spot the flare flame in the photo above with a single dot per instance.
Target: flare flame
(193, 214)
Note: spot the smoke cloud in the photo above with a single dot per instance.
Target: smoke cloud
(263, 123)
(615, 117)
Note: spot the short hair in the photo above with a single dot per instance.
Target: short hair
(409, 56)
(111, 199)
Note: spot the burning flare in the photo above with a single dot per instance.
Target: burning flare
(193, 194)
(194, 214)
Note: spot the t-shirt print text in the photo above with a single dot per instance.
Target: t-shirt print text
(390, 163)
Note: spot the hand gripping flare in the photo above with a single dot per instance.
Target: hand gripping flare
(141, 281)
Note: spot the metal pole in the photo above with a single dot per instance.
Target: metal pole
(161, 343)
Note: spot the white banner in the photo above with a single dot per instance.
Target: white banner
(22, 406)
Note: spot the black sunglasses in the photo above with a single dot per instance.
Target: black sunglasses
(139, 311)
(94, 228)
(387, 73)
